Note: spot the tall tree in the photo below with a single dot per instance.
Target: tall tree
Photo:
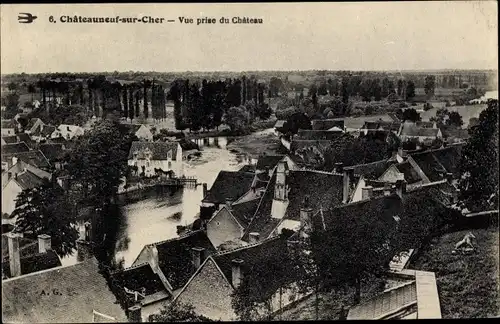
(44, 210)
(430, 85)
(411, 114)
(410, 90)
(454, 119)
(146, 84)
(400, 87)
(125, 100)
(479, 164)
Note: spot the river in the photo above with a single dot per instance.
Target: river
(150, 220)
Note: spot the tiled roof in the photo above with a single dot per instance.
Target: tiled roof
(35, 158)
(298, 144)
(130, 128)
(308, 134)
(325, 124)
(15, 148)
(139, 277)
(279, 123)
(386, 304)
(175, 256)
(269, 161)
(28, 180)
(247, 168)
(244, 211)
(452, 132)
(159, 150)
(52, 152)
(425, 124)
(411, 175)
(47, 130)
(229, 184)
(384, 208)
(23, 137)
(10, 139)
(34, 263)
(81, 290)
(265, 252)
(381, 124)
(414, 130)
(372, 170)
(435, 163)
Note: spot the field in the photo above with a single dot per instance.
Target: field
(468, 284)
(467, 112)
(439, 92)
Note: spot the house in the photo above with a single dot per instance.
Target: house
(152, 294)
(308, 153)
(18, 138)
(230, 222)
(411, 131)
(44, 132)
(148, 156)
(70, 294)
(330, 134)
(280, 203)
(34, 157)
(210, 288)
(434, 165)
(413, 295)
(14, 148)
(176, 260)
(34, 124)
(454, 134)
(267, 163)
(54, 154)
(328, 124)
(67, 131)
(19, 166)
(9, 127)
(32, 257)
(12, 139)
(142, 132)
(17, 183)
(230, 185)
(381, 125)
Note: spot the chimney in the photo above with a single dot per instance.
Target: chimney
(44, 243)
(401, 153)
(253, 237)
(306, 214)
(236, 274)
(229, 203)
(449, 177)
(204, 190)
(400, 188)
(387, 189)
(135, 314)
(198, 255)
(348, 176)
(9, 175)
(14, 257)
(367, 192)
(14, 160)
(339, 167)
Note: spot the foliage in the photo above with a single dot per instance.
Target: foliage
(11, 102)
(178, 312)
(410, 90)
(46, 210)
(237, 118)
(411, 114)
(295, 122)
(454, 119)
(479, 163)
(71, 115)
(430, 85)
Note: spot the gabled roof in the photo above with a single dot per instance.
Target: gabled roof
(69, 128)
(279, 123)
(35, 158)
(138, 278)
(10, 139)
(435, 163)
(325, 124)
(269, 161)
(414, 130)
(411, 175)
(381, 124)
(52, 152)
(159, 150)
(28, 180)
(34, 263)
(453, 132)
(23, 137)
(229, 184)
(47, 130)
(330, 134)
(131, 128)
(299, 144)
(15, 148)
(244, 211)
(82, 290)
(372, 170)
(175, 256)
(247, 168)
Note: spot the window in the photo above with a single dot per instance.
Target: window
(147, 164)
(169, 165)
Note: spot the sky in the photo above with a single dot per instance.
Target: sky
(293, 36)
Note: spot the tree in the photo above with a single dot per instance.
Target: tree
(295, 122)
(400, 87)
(178, 312)
(237, 119)
(479, 162)
(410, 90)
(411, 114)
(454, 119)
(11, 104)
(430, 85)
(44, 210)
